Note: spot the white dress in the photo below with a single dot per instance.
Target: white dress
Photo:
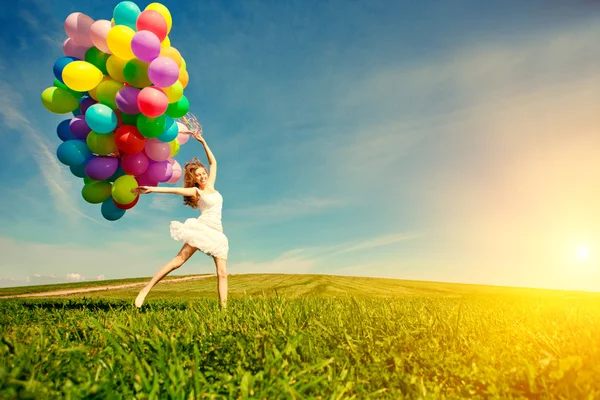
(205, 232)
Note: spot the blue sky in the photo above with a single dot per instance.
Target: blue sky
(447, 141)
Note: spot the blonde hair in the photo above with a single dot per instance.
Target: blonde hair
(189, 180)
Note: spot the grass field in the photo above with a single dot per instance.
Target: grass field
(302, 336)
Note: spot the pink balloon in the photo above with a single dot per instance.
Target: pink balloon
(163, 72)
(77, 26)
(144, 180)
(157, 150)
(134, 164)
(160, 171)
(177, 172)
(152, 101)
(183, 138)
(98, 33)
(145, 45)
(72, 49)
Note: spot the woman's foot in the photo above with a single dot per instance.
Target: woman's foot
(141, 297)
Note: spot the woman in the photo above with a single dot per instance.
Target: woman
(204, 233)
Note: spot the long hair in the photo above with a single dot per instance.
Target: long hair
(189, 180)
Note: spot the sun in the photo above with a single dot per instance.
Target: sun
(583, 253)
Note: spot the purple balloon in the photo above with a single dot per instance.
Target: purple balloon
(101, 168)
(127, 100)
(163, 72)
(159, 171)
(85, 104)
(145, 45)
(79, 128)
(134, 164)
(145, 180)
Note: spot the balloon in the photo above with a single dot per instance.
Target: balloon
(81, 76)
(145, 45)
(183, 138)
(101, 168)
(64, 131)
(77, 26)
(184, 77)
(119, 173)
(73, 152)
(92, 92)
(86, 103)
(97, 58)
(126, 13)
(157, 150)
(177, 172)
(172, 53)
(163, 72)
(101, 118)
(164, 11)
(183, 63)
(136, 73)
(126, 100)
(152, 101)
(170, 132)
(61, 85)
(144, 180)
(129, 139)
(98, 34)
(107, 92)
(79, 128)
(151, 127)
(179, 108)
(101, 144)
(60, 64)
(121, 190)
(166, 42)
(175, 146)
(96, 191)
(127, 206)
(59, 101)
(160, 171)
(130, 119)
(174, 92)
(110, 211)
(115, 66)
(72, 49)
(78, 170)
(153, 21)
(119, 41)
(135, 164)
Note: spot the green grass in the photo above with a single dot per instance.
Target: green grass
(287, 336)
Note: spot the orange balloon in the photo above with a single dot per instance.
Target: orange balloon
(172, 53)
(184, 77)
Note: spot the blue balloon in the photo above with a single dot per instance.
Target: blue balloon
(77, 112)
(73, 152)
(171, 131)
(60, 64)
(101, 119)
(79, 170)
(118, 173)
(126, 13)
(64, 131)
(110, 211)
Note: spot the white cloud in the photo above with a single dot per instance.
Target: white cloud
(100, 277)
(289, 208)
(165, 202)
(75, 277)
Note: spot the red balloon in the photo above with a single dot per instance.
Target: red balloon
(129, 139)
(152, 101)
(127, 206)
(153, 21)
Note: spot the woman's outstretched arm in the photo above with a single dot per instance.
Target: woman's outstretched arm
(170, 190)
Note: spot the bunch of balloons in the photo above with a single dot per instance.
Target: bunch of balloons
(123, 83)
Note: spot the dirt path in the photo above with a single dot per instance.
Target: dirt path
(101, 288)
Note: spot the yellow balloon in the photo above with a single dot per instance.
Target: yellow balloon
(92, 92)
(107, 92)
(184, 77)
(164, 11)
(174, 92)
(183, 63)
(119, 41)
(59, 100)
(114, 66)
(175, 146)
(165, 43)
(81, 76)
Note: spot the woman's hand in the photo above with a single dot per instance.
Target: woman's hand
(142, 190)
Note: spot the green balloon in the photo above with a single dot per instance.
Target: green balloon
(121, 189)
(58, 100)
(87, 180)
(136, 73)
(61, 85)
(129, 119)
(101, 144)
(96, 192)
(106, 92)
(97, 58)
(151, 127)
(179, 108)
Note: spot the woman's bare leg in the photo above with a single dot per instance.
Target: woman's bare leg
(184, 254)
(221, 265)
